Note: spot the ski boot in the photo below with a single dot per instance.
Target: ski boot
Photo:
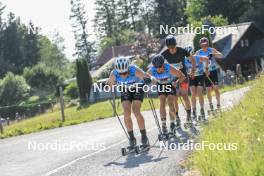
(132, 148)
(145, 146)
(178, 122)
(218, 108)
(202, 116)
(194, 115)
(211, 111)
(164, 135)
(189, 123)
(173, 131)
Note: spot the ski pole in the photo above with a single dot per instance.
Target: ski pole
(114, 109)
(152, 107)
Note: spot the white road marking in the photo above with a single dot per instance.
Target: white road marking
(89, 155)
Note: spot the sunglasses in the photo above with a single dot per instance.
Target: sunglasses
(123, 73)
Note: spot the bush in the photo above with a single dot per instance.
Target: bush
(13, 89)
(42, 77)
(72, 90)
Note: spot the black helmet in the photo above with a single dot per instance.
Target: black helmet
(158, 60)
(170, 40)
(204, 40)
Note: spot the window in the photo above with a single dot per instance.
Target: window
(246, 43)
(242, 43)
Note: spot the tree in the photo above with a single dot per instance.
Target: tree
(52, 54)
(168, 12)
(145, 46)
(230, 9)
(31, 49)
(105, 16)
(19, 46)
(78, 16)
(43, 78)
(84, 81)
(13, 89)
(127, 13)
(254, 13)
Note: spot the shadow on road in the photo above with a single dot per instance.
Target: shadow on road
(133, 160)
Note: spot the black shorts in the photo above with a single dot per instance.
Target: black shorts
(197, 81)
(213, 77)
(132, 96)
(166, 89)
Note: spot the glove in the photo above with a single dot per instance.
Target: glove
(147, 80)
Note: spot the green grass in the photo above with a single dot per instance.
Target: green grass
(244, 125)
(95, 111)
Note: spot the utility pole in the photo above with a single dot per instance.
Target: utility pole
(62, 104)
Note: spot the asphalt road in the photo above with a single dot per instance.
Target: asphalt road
(94, 149)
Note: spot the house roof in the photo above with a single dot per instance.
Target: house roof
(224, 39)
(230, 36)
(123, 50)
(256, 50)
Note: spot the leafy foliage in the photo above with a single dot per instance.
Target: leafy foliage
(72, 90)
(42, 77)
(84, 80)
(13, 89)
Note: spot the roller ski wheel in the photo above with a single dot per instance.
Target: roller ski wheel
(144, 148)
(163, 137)
(212, 112)
(188, 125)
(129, 150)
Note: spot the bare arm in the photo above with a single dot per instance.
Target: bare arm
(111, 80)
(141, 74)
(206, 59)
(217, 54)
(192, 60)
(178, 74)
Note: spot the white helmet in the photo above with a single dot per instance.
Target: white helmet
(122, 64)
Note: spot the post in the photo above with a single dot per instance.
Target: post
(62, 104)
(1, 126)
(8, 121)
(114, 93)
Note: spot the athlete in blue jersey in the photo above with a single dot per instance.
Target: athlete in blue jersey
(163, 73)
(197, 83)
(211, 79)
(129, 75)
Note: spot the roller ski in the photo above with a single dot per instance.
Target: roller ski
(211, 111)
(132, 148)
(189, 123)
(178, 122)
(194, 117)
(190, 127)
(201, 117)
(218, 108)
(164, 135)
(145, 146)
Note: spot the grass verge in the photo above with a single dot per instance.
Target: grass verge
(243, 125)
(95, 111)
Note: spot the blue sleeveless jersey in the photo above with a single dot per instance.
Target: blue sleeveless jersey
(199, 66)
(212, 62)
(164, 77)
(130, 79)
